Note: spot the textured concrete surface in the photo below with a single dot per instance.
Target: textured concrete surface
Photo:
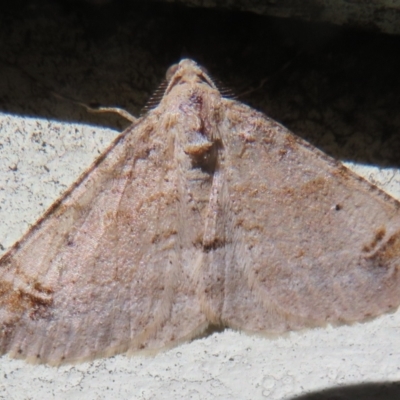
(338, 90)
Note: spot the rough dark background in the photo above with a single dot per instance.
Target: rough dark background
(335, 86)
(374, 15)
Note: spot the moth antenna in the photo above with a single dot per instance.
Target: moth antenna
(155, 98)
(225, 91)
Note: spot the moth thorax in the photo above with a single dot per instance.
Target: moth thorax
(202, 151)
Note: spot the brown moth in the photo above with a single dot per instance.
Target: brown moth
(203, 212)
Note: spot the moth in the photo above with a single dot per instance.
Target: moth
(204, 212)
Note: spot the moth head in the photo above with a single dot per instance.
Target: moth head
(187, 71)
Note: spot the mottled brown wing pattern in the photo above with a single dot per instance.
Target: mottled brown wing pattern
(316, 243)
(103, 272)
(203, 212)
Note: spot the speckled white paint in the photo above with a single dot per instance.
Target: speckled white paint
(39, 159)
